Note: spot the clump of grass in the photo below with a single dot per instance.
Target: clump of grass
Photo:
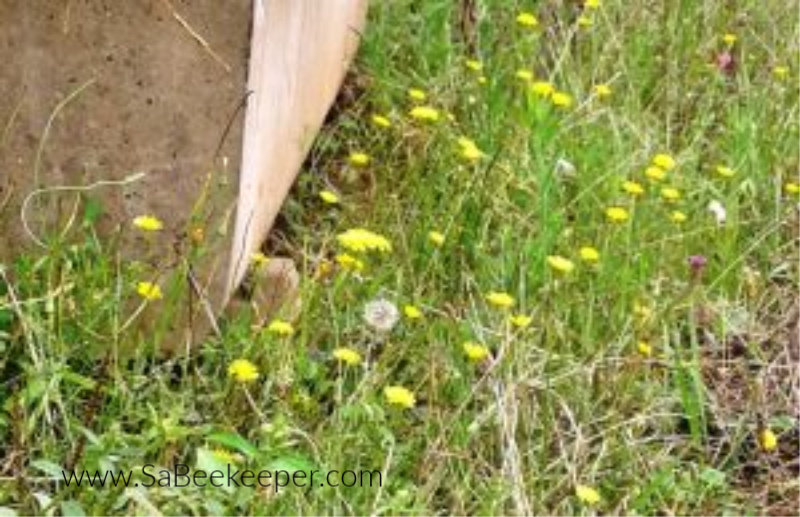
(515, 298)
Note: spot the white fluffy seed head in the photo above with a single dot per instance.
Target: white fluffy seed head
(381, 315)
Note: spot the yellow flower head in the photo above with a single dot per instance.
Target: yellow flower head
(474, 65)
(500, 300)
(349, 262)
(780, 73)
(360, 240)
(359, 159)
(424, 113)
(225, 456)
(436, 238)
(148, 223)
(469, 150)
(644, 348)
(329, 197)
(347, 355)
(381, 121)
(585, 22)
(791, 188)
(593, 4)
(670, 194)
(560, 264)
(725, 172)
(281, 328)
(412, 312)
(524, 75)
(561, 100)
(399, 396)
(243, 370)
(729, 39)
(664, 161)
(416, 94)
(475, 351)
(587, 495)
(602, 91)
(589, 254)
(149, 291)
(617, 214)
(527, 20)
(655, 173)
(678, 217)
(633, 188)
(767, 440)
(259, 260)
(543, 88)
(520, 321)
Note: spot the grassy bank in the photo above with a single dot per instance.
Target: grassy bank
(586, 221)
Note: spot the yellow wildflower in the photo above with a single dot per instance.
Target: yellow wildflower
(474, 65)
(148, 223)
(412, 312)
(417, 95)
(482, 80)
(225, 456)
(501, 300)
(561, 100)
(781, 72)
(149, 291)
(520, 321)
(349, 262)
(725, 172)
(585, 22)
(243, 370)
(560, 264)
(527, 20)
(664, 161)
(655, 173)
(767, 440)
(399, 396)
(281, 328)
(475, 351)
(791, 188)
(347, 356)
(678, 217)
(593, 4)
(359, 159)
(589, 254)
(729, 39)
(670, 194)
(259, 260)
(617, 214)
(437, 238)
(424, 113)
(469, 150)
(524, 75)
(381, 121)
(602, 91)
(361, 240)
(633, 188)
(329, 197)
(587, 495)
(644, 348)
(543, 88)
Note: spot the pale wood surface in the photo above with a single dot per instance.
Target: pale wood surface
(299, 54)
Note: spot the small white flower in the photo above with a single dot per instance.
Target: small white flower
(718, 211)
(382, 315)
(565, 168)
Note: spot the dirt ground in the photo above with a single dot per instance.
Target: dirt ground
(148, 86)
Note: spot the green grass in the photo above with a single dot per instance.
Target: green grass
(568, 401)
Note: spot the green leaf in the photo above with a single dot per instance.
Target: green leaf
(71, 508)
(49, 468)
(291, 463)
(234, 441)
(92, 211)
